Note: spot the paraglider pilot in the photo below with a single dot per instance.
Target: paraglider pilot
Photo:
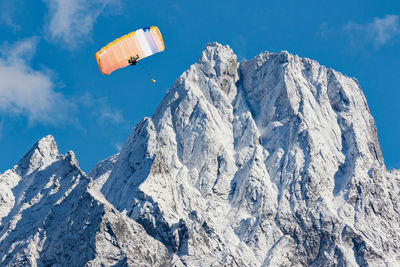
(133, 60)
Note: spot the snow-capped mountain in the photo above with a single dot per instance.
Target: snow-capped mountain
(273, 161)
(52, 217)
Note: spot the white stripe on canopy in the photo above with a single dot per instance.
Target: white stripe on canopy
(143, 42)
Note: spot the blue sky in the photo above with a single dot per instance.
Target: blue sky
(50, 82)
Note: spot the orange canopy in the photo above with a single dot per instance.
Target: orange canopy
(143, 43)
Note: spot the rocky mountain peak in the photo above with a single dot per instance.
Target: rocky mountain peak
(218, 60)
(253, 155)
(273, 161)
(50, 215)
(42, 154)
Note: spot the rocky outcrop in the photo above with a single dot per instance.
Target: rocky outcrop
(271, 161)
(52, 216)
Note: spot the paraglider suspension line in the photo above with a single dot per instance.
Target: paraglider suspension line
(147, 72)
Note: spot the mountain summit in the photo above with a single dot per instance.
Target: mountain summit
(267, 162)
(50, 215)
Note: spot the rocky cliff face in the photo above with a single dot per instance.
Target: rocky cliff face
(271, 161)
(267, 162)
(52, 216)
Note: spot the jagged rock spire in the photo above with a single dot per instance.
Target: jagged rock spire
(42, 154)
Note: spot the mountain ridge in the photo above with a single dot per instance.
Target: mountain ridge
(51, 215)
(211, 110)
(270, 161)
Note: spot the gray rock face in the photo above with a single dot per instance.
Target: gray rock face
(52, 217)
(271, 161)
(102, 170)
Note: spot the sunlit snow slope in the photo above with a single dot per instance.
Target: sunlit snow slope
(50, 217)
(273, 161)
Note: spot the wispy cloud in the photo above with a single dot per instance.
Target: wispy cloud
(28, 92)
(117, 146)
(70, 22)
(112, 115)
(32, 93)
(378, 32)
(324, 30)
(100, 110)
(7, 12)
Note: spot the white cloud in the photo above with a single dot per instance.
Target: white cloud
(111, 115)
(101, 110)
(71, 21)
(7, 13)
(324, 30)
(378, 32)
(117, 146)
(8, 20)
(28, 92)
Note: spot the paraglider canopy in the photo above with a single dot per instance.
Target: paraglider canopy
(129, 49)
